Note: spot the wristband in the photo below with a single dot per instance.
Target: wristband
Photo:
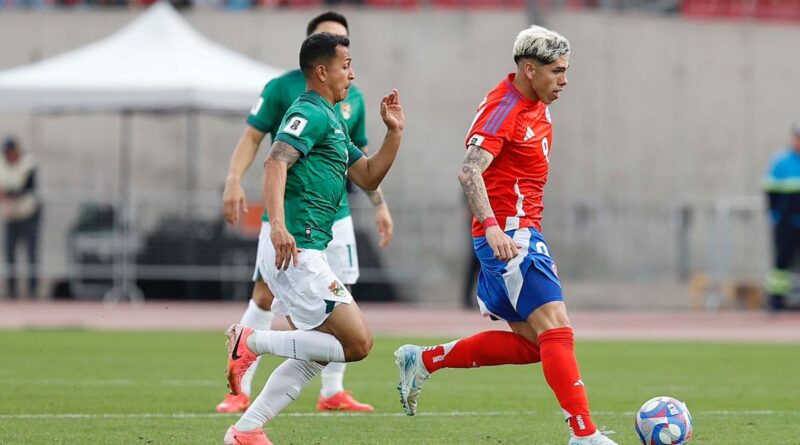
(489, 221)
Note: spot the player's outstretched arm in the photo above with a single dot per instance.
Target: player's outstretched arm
(368, 172)
(281, 158)
(233, 199)
(476, 161)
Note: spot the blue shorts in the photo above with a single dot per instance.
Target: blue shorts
(512, 291)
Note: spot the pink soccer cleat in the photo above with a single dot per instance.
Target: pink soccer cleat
(240, 356)
(342, 401)
(255, 437)
(233, 404)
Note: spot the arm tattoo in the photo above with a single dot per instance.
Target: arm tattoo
(475, 162)
(281, 151)
(375, 196)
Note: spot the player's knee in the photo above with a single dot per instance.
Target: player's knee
(359, 349)
(262, 296)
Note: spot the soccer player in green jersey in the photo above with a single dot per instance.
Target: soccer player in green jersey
(305, 175)
(265, 117)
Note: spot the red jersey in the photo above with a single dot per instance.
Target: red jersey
(518, 132)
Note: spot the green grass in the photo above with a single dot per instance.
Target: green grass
(160, 388)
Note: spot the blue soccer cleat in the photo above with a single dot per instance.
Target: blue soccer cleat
(412, 376)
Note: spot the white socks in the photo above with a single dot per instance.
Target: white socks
(300, 345)
(282, 388)
(332, 378)
(256, 318)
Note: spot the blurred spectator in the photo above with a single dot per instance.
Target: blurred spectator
(21, 211)
(783, 190)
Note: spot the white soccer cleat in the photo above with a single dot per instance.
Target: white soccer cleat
(412, 376)
(595, 439)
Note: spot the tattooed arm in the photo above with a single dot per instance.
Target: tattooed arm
(281, 158)
(375, 196)
(383, 218)
(476, 161)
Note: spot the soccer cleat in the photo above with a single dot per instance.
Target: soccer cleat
(240, 356)
(255, 437)
(412, 376)
(233, 404)
(342, 401)
(594, 439)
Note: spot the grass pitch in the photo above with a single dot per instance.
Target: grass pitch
(82, 387)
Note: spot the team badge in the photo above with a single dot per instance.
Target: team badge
(336, 289)
(555, 271)
(347, 110)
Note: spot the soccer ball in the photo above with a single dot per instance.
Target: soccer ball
(664, 421)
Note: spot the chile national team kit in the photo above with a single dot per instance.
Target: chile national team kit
(518, 133)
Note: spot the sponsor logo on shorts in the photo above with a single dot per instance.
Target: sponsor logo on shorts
(336, 288)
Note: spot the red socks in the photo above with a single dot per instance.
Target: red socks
(561, 372)
(490, 348)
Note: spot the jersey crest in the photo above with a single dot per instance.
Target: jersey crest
(347, 110)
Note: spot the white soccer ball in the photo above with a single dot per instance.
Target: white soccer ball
(664, 421)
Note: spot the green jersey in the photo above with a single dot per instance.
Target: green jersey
(280, 93)
(315, 184)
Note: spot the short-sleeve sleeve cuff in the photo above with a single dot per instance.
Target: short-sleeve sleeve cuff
(258, 124)
(354, 156)
(492, 144)
(360, 143)
(294, 142)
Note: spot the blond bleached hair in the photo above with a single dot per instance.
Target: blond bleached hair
(540, 44)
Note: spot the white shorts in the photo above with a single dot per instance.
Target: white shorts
(306, 293)
(341, 251)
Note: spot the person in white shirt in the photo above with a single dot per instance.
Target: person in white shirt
(21, 210)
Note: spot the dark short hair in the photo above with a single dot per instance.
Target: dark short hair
(9, 143)
(319, 49)
(329, 16)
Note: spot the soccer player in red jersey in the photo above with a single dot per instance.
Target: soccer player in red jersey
(503, 176)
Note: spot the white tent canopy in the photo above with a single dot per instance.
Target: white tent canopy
(157, 62)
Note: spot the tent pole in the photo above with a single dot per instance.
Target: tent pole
(191, 160)
(124, 274)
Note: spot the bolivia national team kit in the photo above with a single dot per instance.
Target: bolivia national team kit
(267, 115)
(315, 185)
